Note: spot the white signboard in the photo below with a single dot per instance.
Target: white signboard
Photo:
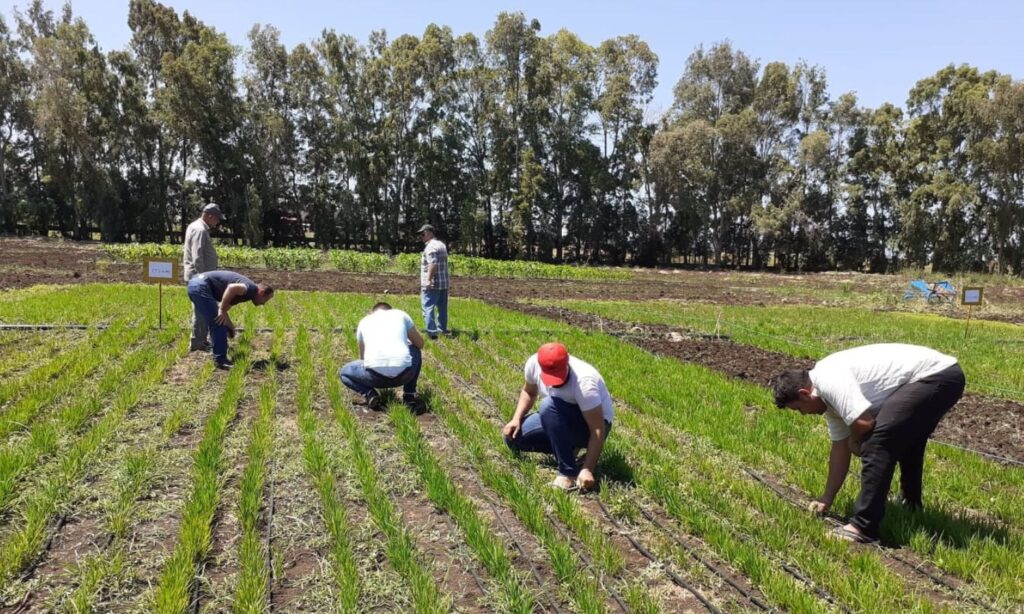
(160, 271)
(971, 296)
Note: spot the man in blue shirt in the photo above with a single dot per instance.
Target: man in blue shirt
(214, 294)
(389, 356)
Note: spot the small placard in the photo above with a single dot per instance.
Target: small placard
(972, 296)
(160, 271)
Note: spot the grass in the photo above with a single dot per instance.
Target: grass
(686, 448)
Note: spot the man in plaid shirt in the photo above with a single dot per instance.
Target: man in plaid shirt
(434, 282)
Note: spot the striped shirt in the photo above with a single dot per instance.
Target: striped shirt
(434, 253)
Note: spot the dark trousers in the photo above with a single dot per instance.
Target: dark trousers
(902, 427)
(559, 428)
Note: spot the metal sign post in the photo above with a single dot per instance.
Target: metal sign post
(971, 296)
(159, 272)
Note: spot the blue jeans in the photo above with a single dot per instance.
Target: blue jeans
(206, 307)
(557, 427)
(435, 299)
(363, 380)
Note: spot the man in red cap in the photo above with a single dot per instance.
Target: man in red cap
(576, 412)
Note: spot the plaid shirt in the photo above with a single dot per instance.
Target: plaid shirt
(434, 252)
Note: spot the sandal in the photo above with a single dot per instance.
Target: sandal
(853, 536)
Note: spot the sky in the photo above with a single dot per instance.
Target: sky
(875, 48)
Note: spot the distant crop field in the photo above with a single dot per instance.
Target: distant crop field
(134, 477)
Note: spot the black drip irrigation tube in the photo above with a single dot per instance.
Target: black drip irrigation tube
(712, 568)
(891, 553)
(676, 578)
(518, 546)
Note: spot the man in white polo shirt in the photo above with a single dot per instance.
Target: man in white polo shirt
(389, 352)
(881, 402)
(576, 412)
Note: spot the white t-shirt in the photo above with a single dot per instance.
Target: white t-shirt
(585, 386)
(860, 379)
(385, 338)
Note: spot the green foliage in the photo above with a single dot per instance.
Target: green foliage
(298, 259)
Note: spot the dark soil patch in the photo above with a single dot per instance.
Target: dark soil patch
(986, 424)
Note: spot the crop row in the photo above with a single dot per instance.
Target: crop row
(297, 259)
(195, 534)
(253, 591)
(134, 477)
(696, 403)
(43, 501)
(86, 400)
(958, 540)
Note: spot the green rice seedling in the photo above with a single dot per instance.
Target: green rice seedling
(172, 593)
(318, 465)
(490, 551)
(253, 588)
(399, 546)
(43, 502)
(45, 436)
(61, 373)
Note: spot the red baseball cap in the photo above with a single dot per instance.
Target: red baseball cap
(553, 359)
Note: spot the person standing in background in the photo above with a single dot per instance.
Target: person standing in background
(200, 257)
(434, 282)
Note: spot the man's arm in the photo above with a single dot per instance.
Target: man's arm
(838, 466)
(527, 396)
(233, 290)
(203, 247)
(415, 337)
(596, 427)
(431, 274)
(859, 431)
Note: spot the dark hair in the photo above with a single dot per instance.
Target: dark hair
(379, 306)
(266, 288)
(787, 385)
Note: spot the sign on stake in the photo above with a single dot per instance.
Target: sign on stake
(971, 296)
(159, 272)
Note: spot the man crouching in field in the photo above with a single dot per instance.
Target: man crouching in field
(389, 356)
(881, 402)
(576, 412)
(214, 294)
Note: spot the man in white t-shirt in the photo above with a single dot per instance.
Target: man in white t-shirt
(881, 402)
(389, 352)
(576, 412)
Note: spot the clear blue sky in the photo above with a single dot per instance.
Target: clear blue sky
(877, 48)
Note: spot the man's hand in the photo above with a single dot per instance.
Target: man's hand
(585, 480)
(224, 319)
(818, 507)
(854, 444)
(430, 284)
(511, 429)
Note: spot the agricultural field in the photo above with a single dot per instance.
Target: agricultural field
(136, 478)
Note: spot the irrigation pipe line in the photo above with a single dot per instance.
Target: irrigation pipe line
(821, 592)
(679, 581)
(518, 546)
(838, 521)
(715, 570)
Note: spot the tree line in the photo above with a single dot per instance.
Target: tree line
(516, 145)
